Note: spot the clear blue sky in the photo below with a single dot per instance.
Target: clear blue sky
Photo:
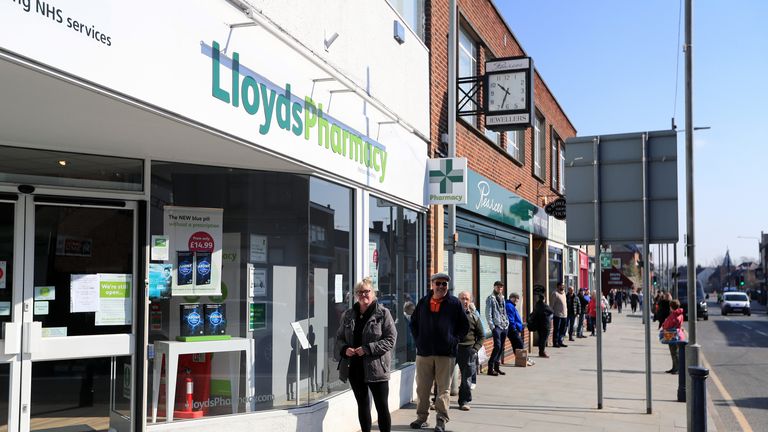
(611, 66)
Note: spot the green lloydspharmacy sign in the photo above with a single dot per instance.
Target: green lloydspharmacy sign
(301, 117)
(493, 201)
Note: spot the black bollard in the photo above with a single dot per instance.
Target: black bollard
(699, 398)
(681, 370)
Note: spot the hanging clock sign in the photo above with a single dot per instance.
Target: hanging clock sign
(508, 94)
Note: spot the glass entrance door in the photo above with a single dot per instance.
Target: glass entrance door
(68, 339)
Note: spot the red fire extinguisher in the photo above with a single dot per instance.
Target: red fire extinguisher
(189, 402)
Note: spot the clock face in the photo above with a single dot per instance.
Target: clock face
(507, 91)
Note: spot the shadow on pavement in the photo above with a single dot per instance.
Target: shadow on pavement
(624, 371)
(752, 402)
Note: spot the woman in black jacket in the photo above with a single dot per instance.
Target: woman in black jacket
(364, 345)
(542, 319)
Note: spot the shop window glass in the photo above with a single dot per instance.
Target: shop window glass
(490, 272)
(463, 274)
(330, 270)
(516, 279)
(555, 268)
(393, 254)
(56, 168)
(281, 245)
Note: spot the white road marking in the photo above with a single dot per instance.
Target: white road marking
(727, 396)
(761, 333)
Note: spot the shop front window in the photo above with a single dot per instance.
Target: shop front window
(516, 279)
(393, 264)
(490, 272)
(330, 269)
(236, 257)
(555, 268)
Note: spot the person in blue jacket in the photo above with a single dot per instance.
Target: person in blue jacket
(515, 330)
(438, 324)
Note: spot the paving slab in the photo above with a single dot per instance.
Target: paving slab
(560, 393)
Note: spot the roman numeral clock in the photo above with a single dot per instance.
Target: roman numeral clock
(508, 94)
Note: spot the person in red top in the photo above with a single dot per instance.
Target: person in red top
(674, 322)
(592, 312)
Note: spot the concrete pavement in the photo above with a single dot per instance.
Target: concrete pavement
(560, 393)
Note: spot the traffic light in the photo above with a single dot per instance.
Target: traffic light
(655, 280)
(741, 280)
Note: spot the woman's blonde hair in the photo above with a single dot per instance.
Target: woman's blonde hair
(367, 282)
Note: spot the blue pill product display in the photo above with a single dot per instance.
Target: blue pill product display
(203, 268)
(215, 319)
(185, 267)
(192, 321)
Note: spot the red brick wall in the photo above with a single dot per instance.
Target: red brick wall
(484, 156)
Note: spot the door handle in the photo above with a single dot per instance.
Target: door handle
(32, 334)
(12, 338)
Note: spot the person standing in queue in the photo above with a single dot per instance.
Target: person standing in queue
(542, 323)
(364, 345)
(467, 353)
(496, 316)
(438, 324)
(515, 329)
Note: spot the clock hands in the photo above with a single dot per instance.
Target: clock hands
(506, 93)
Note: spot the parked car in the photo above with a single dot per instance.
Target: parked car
(735, 302)
(701, 299)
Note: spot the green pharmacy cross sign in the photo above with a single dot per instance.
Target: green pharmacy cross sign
(447, 181)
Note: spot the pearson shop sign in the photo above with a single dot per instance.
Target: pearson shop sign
(493, 201)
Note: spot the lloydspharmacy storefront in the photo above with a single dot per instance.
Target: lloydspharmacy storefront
(188, 192)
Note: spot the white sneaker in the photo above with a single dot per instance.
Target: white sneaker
(472, 386)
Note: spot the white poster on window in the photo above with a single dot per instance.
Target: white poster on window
(338, 288)
(373, 264)
(84, 293)
(114, 300)
(195, 242)
(258, 251)
(258, 282)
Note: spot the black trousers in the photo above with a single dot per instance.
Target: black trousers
(514, 338)
(543, 336)
(380, 393)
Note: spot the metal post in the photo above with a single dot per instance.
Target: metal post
(699, 398)
(452, 48)
(681, 371)
(598, 273)
(646, 281)
(692, 356)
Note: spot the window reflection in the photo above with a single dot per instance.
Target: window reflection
(394, 267)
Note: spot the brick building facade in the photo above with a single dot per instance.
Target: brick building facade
(507, 159)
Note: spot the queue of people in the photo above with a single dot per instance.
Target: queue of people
(448, 333)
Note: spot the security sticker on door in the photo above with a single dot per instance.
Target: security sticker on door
(46, 293)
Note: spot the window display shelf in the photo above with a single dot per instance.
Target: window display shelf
(171, 350)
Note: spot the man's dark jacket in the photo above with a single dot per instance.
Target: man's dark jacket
(439, 333)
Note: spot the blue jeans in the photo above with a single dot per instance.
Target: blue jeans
(571, 322)
(558, 330)
(499, 337)
(580, 326)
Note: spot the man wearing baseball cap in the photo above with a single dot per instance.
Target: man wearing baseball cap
(438, 324)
